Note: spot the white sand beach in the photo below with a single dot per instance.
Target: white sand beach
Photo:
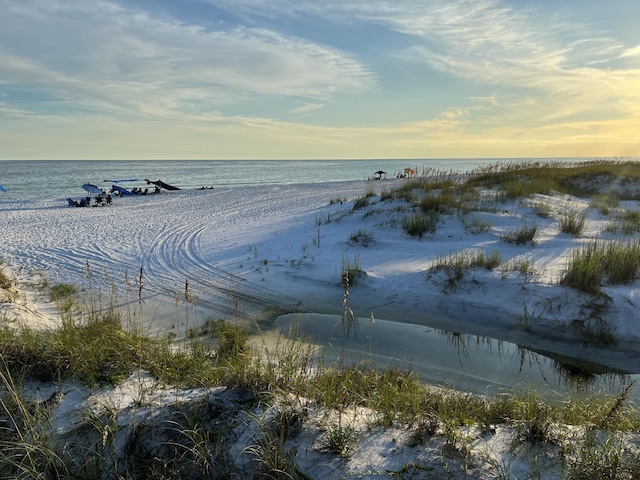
(243, 250)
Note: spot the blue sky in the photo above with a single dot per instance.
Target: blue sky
(281, 79)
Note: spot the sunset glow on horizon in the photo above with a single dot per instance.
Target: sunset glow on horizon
(298, 79)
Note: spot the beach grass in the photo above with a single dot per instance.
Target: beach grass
(601, 263)
(418, 224)
(605, 202)
(98, 349)
(103, 344)
(522, 235)
(5, 281)
(573, 222)
(457, 265)
(626, 221)
(350, 270)
(589, 268)
(544, 177)
(442, 192)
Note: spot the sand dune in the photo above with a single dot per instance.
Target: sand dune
(241, 250)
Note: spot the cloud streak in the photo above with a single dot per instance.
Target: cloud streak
(106, 57)
(317, 70)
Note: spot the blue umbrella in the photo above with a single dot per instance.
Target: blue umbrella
(2, 189)
(91, 188)
(127, 180)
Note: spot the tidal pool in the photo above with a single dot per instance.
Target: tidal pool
(461, 361)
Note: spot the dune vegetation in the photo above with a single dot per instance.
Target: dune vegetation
(278, 391)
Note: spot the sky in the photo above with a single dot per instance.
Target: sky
(322, 79)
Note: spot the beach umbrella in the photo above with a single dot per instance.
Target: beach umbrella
(117, 181)
(2, 189)
(409, 171)
(91, 188)
(381, 172)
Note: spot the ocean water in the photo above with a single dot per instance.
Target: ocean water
(27, 179)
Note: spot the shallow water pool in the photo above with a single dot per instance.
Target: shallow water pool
(464, 362)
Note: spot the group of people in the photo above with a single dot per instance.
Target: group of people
(99, 201)
(140, 191)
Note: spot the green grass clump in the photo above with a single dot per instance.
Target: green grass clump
(632, 216)
(629, 221)
(605, 202)
(445, 201)
(232, 339)
(601, 457)
(64, 296)
(466, 260)
(362, 237)
(542, 209)
(387, 195)
(350, 270)
(61, 292)
(476, 225)
(100, 349)
(520, 236)
(585, 271)
(458, 265)
(525, 187)
(599, 263)
(5, 281)
(524, 178)
(572, 222)
(340, 440)
(393, 393)
(360, 202)
(418, 224)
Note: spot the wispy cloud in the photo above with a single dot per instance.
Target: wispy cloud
(304, 108)
(386, 74)
(484, 42)
(631, 52)
(100, 55)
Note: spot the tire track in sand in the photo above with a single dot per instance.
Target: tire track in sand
(175, 256)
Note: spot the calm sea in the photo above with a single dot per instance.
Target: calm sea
(27, 179)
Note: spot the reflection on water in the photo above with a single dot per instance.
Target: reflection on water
(571, 372)
(581, 375)
(466, 362)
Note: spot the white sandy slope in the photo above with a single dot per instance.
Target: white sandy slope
(141, 418)
(242, 250)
